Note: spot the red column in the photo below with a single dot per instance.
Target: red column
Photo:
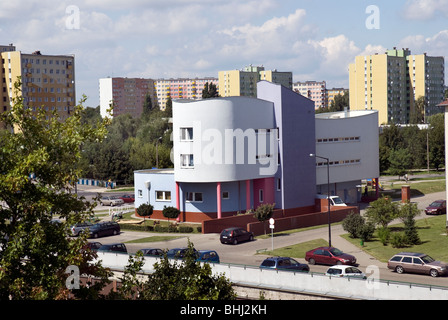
(218, 199)
(247, 195)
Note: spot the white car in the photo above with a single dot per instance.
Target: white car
(345, 271)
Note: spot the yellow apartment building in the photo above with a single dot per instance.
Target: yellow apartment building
(244, 82)
(393, 81)
(48, 81)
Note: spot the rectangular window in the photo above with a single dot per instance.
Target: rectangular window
(186, 134)
(260, 195)
(225, 195)
(194, 196)
(186, 161)
(163, 195)
(140, 193)
(279, 184)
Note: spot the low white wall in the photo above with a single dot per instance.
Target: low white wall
(302, 282)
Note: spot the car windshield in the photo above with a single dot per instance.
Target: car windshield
(336, 252)
(436, 204)
(337, 200)
(427, 259)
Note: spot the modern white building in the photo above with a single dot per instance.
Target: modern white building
(349, 139)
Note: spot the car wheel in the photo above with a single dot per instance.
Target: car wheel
(251, 238)
(312, 261)
(339, 263)
(434, 273)
(115, 232)
(235, 241)
(399, 269)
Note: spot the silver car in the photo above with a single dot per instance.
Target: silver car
(111, 201)
(414, 262)
(78, 228)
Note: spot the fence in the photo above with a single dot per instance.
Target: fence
(311, 283)
(96, 183)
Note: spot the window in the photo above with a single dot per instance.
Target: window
(260, 195)
(225, 195)
(279, 184)
(163, 195)
(186, 160)
(140, 193)
(194, 196)
(186, 134)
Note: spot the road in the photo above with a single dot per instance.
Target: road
(246, 253)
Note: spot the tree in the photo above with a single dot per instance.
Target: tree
(407, 214)
(264, 212)
(185, 279)
(382, 211)
(145, 210)
(209, 91)
(170, 212)
(38, 165)
(437, 140)
(400, 162)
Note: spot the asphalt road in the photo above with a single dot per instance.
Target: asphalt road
(246, 253)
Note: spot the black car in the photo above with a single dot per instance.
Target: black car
(284, 263)
(114, 247)
(235, 235)
(101, 229)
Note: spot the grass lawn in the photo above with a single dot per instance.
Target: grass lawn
(297, 250)
(432, 233)
(154, 239)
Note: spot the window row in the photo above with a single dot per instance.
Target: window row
(339, 139)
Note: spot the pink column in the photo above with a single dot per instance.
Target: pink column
(218, 199)
(177, 199)
(247, 195)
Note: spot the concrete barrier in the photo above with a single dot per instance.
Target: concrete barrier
(311, 283)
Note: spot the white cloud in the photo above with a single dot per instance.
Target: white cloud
(425, 9)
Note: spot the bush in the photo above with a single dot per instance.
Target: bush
(366, 231)
(185, 229)
(353, 224)
(383, 234)
(398, 240)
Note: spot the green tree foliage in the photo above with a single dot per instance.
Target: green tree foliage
(185, 279)
(39, 165)
(264, 212)
(209, 91)
(170, 212)
(145, 210)
(408, 212)
(382, 211)
(357, 227)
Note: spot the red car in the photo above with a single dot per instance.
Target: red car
(437, 207)
(127, 198)
(330, 256)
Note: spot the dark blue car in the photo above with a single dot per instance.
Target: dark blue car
(208, 256)
(284, 263)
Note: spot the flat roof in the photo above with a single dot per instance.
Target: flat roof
(344, 114)
(156, 171)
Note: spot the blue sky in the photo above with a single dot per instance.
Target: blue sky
(316, 40)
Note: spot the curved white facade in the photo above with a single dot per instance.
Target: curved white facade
(224, 139)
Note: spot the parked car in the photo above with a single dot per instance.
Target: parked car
(329, 255)
(111, 201)
(437, 207)
(414, 262)
(345, 271)
(94, 245)
(78, 228)
(153, 252)
(114, 247)
(101, 229)
(284, 263)
(208, 256)
(235, 235)
(127, 198)
(178, 253)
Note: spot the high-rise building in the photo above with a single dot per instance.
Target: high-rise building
(181, 88)
(393, 81)
(48, 81)
(244, 82)
(333, 92)
(313, 90)
(127, 94)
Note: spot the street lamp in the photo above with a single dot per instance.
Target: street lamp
(328, 193)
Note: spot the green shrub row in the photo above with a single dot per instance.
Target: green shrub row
(159, 228)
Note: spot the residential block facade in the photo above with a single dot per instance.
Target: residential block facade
(314, 90)
(393, 81)
(243, 82)
(48, 81)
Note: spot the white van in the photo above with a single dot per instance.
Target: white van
(334, 200)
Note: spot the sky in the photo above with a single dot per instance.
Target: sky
(315, 40)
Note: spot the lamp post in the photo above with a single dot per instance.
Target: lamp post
(328, 193)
